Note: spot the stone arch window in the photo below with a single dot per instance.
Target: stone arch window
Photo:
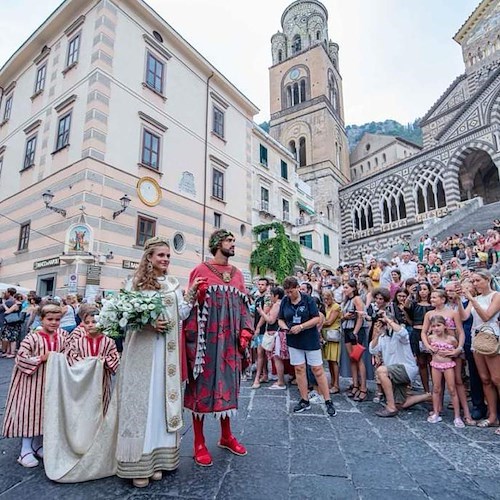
(338, 153)
(376, 161)
(362, 213)
(369, 165)
(280, 55)
(296, 93)
(429, 193)
(293, 148)
(318, 35)
(362, 168)
(393, 206)
(384, 157)
(296, 44)
(333, 91)
(302, 152)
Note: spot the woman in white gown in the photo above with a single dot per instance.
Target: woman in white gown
(139, 437)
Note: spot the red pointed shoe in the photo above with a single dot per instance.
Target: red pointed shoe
(233, 446)
(202, 456)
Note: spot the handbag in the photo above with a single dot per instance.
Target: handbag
(485, 341)
(333, 335)
(268, 341)
(14, 317)
(357, 352)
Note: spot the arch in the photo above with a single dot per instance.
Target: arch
(392, 200)
(362, 211)
(293, 148)
(294, 131)
(280, 55)
(333, 90)
(303, 89)
(302, 152)
(429, 189)
(296, 44)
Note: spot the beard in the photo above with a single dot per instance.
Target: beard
(227, 253)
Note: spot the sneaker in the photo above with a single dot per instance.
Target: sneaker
(459, 423)
(301, 406)
(434, 419)
(330, 409)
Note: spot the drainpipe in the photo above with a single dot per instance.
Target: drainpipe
(205, 174)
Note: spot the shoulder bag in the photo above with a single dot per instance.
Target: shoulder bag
(485, 341)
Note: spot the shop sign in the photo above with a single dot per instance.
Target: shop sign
(42, 264)
(130, 264)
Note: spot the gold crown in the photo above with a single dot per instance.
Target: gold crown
(156, 240)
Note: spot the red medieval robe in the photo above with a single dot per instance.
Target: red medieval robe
(212, 338)
(83, 346)
(24, 407)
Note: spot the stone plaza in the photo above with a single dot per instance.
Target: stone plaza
(353, 455)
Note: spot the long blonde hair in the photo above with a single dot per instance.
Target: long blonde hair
(145, 277)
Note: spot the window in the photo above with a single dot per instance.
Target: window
(24, 236)
(263, 155)
(286, 210)
(146, 228)
(318, 35)
(218, 184)
(63, 132)
(264, 199)
(8, 108)
(1, 164)
(306, 240)
(302, 152)
(430, 190)
(73, 51)
(40, 78)
(218, 123)
(384, 157)
(264, 235)
(154, 73)
(29, 155)
(179, 242)
(280, 55)
(217, 220)
(284, 170)
(296, 44)
(326, 244)
(293, 148)
(296, 93)
(150, 149)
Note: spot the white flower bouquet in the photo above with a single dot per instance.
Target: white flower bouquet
(130, 310)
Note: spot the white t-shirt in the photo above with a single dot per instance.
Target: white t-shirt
(408, 269)
(396, 350)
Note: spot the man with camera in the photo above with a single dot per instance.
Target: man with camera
(392, 341)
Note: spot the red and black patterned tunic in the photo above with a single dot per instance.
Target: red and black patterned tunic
(212, 336)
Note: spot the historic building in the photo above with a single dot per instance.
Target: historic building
(114, 129)
(307, 110)
(460, 159)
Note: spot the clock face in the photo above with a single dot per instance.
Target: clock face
(149, 191)
(294, 74)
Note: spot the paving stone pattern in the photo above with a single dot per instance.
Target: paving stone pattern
(354, 455)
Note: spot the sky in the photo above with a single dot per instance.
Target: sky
(397, 57)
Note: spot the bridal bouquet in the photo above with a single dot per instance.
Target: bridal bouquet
(130, 310)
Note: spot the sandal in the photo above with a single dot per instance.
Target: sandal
(486, 423)
(458, 423)
(497, 432)
(434, 418)
(38, 452)
(255, 386)
(470, 422)
(354, 392)
(334, 390)
(28, 460)
(358, 398)
(276, 387)
(140, 482)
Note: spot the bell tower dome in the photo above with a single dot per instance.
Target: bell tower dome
(307, 110)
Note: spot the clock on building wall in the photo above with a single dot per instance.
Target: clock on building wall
(294, 74)
(149, 191)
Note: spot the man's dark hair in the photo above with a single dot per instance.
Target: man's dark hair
(290, 282)
(264, 279)
(11, 291)
(383, 292)
(277, 290)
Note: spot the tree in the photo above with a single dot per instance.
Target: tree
(278, 254)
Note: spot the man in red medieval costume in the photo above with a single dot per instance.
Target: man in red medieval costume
(216, 333)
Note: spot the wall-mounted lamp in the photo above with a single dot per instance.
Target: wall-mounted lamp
(47, 197)
(125, 201)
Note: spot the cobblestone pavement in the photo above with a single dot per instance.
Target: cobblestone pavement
(354, 455)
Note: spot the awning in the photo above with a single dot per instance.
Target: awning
(302, 206)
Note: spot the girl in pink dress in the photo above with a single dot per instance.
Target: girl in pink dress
(441, 344)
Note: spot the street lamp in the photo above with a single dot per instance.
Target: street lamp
(47, 197)
(125, 201)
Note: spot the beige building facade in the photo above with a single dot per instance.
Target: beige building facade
(104, 100)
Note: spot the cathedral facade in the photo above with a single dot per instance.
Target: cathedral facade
(460, 160)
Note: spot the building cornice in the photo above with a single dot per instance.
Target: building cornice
(472, 20)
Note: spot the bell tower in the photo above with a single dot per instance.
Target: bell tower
(307, 110)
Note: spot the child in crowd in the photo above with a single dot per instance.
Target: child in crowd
(24, 408)
(87, 341)
(442, 366)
